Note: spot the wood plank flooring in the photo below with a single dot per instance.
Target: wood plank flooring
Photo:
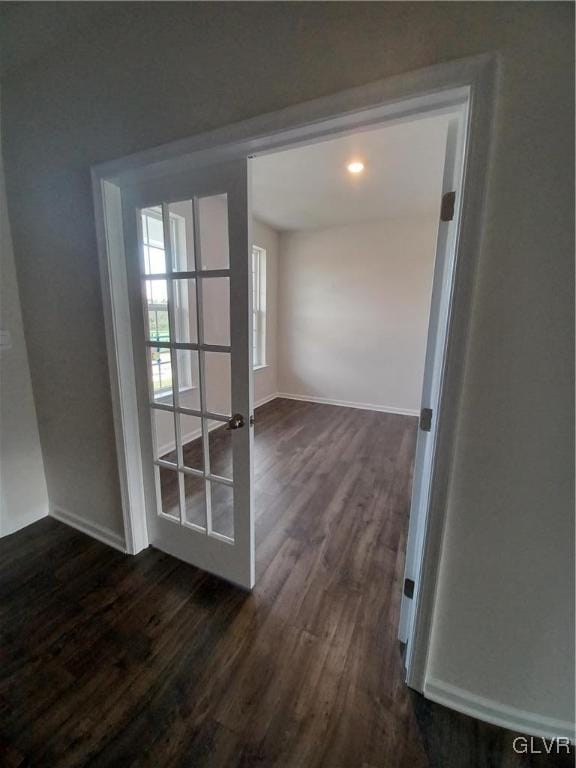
(109, 660)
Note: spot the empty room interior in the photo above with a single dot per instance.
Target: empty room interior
(287, 385)
(344, 240)
(348, 227)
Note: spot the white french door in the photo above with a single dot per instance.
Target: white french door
(188, 262)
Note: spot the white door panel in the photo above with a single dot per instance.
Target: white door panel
(187, 244)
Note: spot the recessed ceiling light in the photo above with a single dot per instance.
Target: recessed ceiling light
(356, 166)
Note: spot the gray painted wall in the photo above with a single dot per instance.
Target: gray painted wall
(84, 85)
(23, 494)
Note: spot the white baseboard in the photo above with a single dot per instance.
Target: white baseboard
(267, 399)
(350, 404)
(105, 535)
(498, 714)
(164, 449)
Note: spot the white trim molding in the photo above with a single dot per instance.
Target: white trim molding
(498, 714)
(266, 399)
(115, 299)
(95, 531)
(350, 404)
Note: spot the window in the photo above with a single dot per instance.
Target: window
(157, 296)
(258, 306)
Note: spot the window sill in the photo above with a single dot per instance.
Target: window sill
(166, 398)
(260, 367)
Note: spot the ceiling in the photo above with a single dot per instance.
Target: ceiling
(37, 32)
(309, 187)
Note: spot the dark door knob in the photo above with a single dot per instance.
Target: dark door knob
(236, 421)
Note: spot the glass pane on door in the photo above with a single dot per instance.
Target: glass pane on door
(220, 449)
(181, 217)
(216, 310)
(160, 374)
(222, 498)
(195, 501)
(152, 232)
(186, 295)
(185, 313)
(188, 379)
(169, 492)
(218, 375)
(191, 436)
(157, 321)
(213, 231)
(164, 436)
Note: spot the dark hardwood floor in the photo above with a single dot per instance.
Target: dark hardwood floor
(116, 661)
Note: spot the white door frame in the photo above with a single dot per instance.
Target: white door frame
(434, 370)
(444, 87)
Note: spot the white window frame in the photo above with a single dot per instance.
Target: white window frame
(182, 308)
(259, 259)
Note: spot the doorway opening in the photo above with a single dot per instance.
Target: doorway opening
(151, 380)
(350, 229)
(342, 264)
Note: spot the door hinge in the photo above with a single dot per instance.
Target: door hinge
(409, 588)
(426, 419)
(447, 207)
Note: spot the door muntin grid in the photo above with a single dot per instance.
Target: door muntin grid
(189, 493)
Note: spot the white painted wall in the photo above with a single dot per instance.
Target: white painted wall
(504, 627)
(23, 495)
(354, 304)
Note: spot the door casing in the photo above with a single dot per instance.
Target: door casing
(467, 84)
